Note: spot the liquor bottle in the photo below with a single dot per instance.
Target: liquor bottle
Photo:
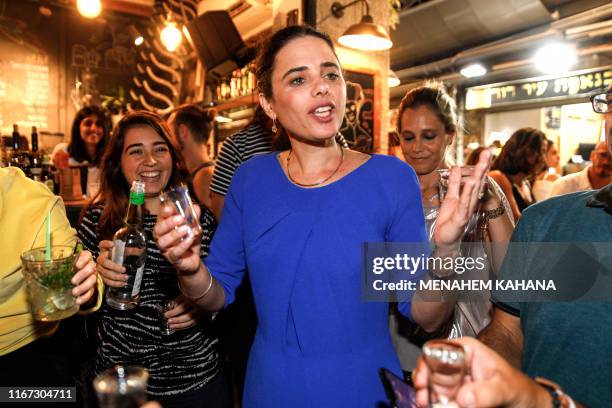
(19, 158)
(129, 250)
(35, 157)
(15, 155)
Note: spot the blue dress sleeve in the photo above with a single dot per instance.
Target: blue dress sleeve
(408, 222)
(226, 260)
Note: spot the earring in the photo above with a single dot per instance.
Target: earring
(274, 128)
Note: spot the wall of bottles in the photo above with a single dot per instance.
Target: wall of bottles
(33, 162)
(240, 83)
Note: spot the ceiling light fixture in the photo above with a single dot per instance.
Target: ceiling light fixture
(393, 80)
(473, 71)
(555, 58)
(89, 8)
(365, 35)
(171, 36)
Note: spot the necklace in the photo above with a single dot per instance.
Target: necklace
(319, 182)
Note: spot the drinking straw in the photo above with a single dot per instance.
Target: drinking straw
(48, 238)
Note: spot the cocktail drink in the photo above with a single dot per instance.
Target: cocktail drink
(122, 387)
(48, 282)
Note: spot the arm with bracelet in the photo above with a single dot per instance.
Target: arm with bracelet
(455, 212)
(497, 223)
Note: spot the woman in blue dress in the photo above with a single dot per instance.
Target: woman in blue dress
(296, 221)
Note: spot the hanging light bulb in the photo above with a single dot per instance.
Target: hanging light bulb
(89, 8)
(171, 36)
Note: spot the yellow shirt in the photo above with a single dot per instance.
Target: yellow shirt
(24, 205)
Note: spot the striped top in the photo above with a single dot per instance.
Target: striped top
(237, 149)
(184, 361)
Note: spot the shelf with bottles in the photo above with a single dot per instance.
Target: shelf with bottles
(33, 162)
(241, 83)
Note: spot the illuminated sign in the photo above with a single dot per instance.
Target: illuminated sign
(537, 89)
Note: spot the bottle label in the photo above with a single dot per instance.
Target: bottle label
(118, 250)
(137, 198)
(137, 280)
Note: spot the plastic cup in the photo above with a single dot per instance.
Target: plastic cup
(178, 197)
(48, 282)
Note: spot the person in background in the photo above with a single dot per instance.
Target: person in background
(35, 353)
(544, 180)
(427, 126)
(184, 369)
(472, 158)
(87, 139)
(567, 342)
(192, 126)
(256, 138)
(520, 158)
(595, 176)
(297, 220)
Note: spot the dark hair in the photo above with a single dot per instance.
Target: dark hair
(516, 155)
(266, 57)
(114, 188)
(473, 157)
(433, 96)
(76, 148)
(199, 121)
(549, 144)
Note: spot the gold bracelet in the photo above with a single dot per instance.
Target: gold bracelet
(494, 213)
(193, 299)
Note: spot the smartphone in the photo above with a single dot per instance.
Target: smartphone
(400, 393)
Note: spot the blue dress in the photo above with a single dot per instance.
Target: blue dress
(317, 344)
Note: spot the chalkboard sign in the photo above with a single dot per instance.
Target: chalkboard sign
(53, 64)
(28, 72)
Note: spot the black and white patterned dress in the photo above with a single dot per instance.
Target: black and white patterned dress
(184, 361)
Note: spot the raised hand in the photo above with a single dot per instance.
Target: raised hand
(168, 233)
(492, 381)
(460, 203)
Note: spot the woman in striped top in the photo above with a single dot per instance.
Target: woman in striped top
(184, 369)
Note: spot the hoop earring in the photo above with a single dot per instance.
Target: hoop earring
(274, 128)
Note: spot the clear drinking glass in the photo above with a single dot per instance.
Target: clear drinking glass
(48, 282)
(447, 365)
(163, 307)
(178, 197)
(121, 387)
